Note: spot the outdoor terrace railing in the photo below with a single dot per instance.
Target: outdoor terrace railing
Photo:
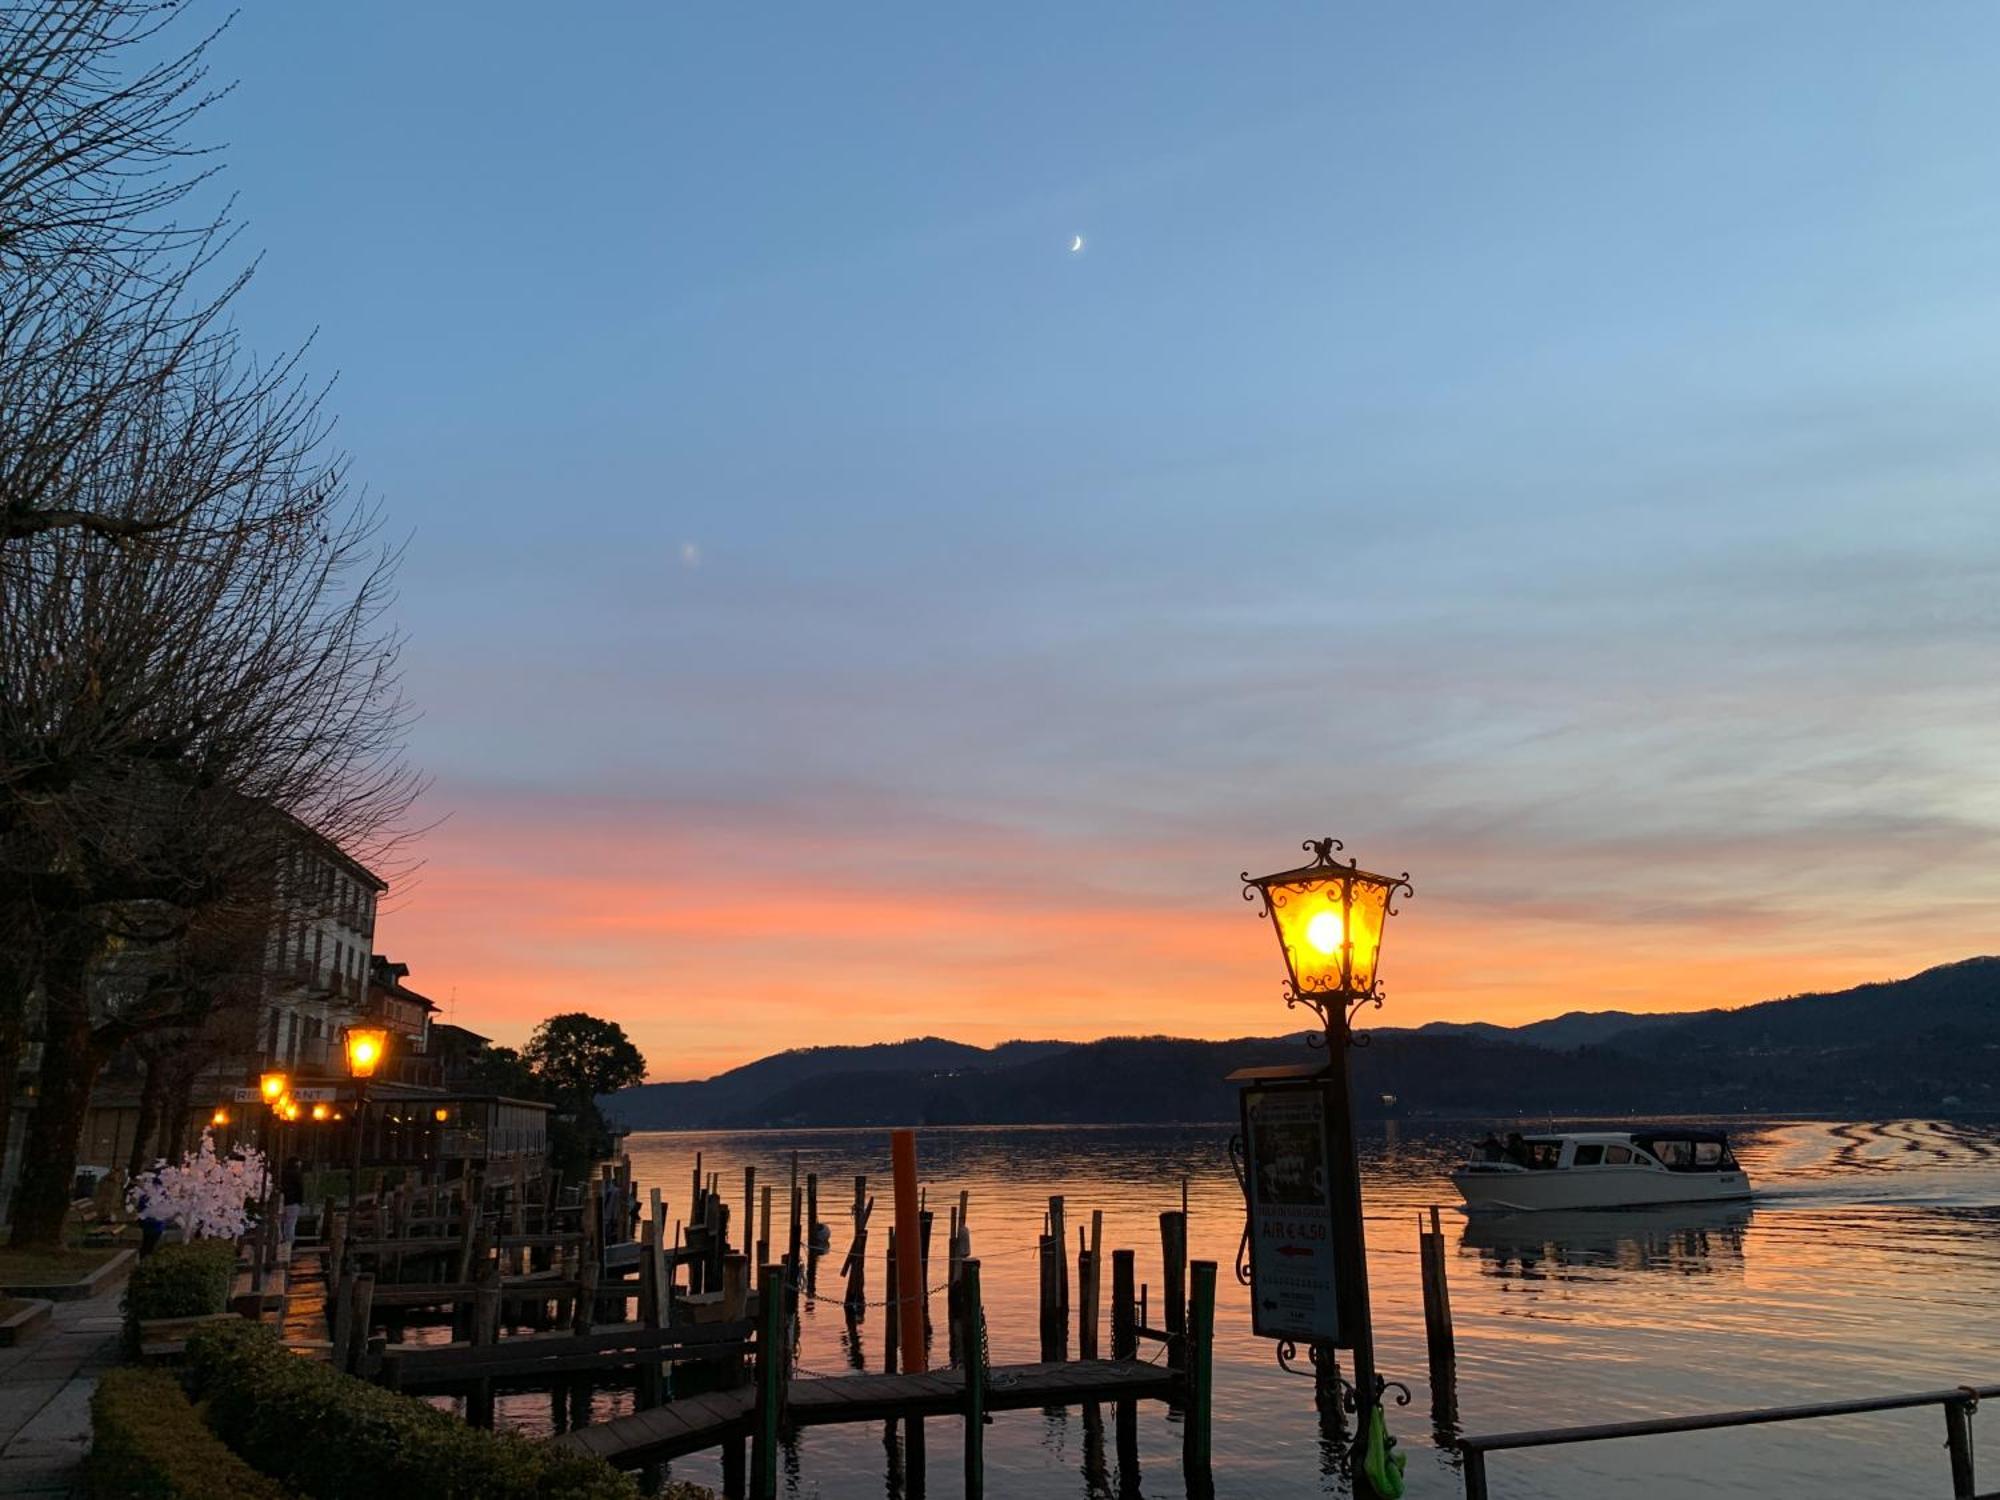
(1959, 1403)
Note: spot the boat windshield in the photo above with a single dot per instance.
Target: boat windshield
(1689, 1153)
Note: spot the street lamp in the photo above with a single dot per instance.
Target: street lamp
(365, 1046)
(1329, 917)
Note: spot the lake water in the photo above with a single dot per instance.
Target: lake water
(1868, 1262)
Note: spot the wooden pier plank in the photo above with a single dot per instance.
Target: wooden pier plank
(697, 1422)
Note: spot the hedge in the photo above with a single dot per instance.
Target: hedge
(180, 1281)
(333, 1437)
(147, 1441)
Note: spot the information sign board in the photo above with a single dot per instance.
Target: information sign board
(1293, 1254)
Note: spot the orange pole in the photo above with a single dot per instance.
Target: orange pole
(909, 1260)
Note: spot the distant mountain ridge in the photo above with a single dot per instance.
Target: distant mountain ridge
(1926, 1043)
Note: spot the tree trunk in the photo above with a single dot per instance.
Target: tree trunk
(70, 1062)
(179, 1095)
(17, 979)
(13, 1041)
(149, 1115)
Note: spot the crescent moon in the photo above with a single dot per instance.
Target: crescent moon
(1076, 244)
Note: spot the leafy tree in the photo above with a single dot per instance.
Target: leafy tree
(577, 1057)
(502, 1070)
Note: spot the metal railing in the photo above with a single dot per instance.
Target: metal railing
(1959, 1403)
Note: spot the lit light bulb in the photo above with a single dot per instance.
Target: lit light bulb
(1323, 932)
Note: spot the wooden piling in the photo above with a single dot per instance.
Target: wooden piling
(1173, 1285)
(892, 1321)
(971, 1316)
(924, 1265)
(355, 1356)
(770, 1382)
(1058, 1227)
(749, 1209)
(651, 1301)
(1439, 1341)
(908, 1286)
(763, 1228)
(485, 1330)
(340, 1327)
(1053, 1340)
(1197, 1429)
(856, 1265)
(1125, 1345)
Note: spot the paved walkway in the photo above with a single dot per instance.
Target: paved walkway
(45, 1387)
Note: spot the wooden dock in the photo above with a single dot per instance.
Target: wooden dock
(687, 1426)
(546, 1294)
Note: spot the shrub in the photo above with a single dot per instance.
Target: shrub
(333, 1437)
(180, 1281)
(147, 1441)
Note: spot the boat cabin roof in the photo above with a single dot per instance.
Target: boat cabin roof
(1630, 1137)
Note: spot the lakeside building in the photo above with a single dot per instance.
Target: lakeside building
(301, 973)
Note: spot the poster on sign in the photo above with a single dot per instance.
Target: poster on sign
(1292, 1233)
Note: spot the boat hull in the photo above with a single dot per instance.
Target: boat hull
(1525, 1190)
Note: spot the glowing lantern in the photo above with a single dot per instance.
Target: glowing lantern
(441, 1114)
(366, 1046)
(220, 1117)
(274, 1087)
(321, 1112)
(1329, 918)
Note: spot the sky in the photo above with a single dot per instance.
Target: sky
(1553, 448)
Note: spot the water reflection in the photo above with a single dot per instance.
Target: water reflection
(1875, 1249)
(1686, 1240)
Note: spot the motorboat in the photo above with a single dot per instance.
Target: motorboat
(1601, 1169)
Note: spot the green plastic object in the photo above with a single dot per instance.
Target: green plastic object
(1383, 1461)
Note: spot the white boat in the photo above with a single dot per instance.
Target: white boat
(1602, 1169)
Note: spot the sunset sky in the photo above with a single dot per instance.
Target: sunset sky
(1552, 447)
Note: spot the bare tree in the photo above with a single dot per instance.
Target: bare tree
(195, 669)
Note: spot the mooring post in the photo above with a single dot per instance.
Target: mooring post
(892, 1319)
(908, 1286)
(1125, 1345)
(1173, 1285)
(770, 1382)
(924, 1265)
(1439, 1341)
(763, 1227)
(1124, 1309)
(857, 1263)
(1958, 1438)
(485, 1330)
(1197, 1449)
(1086, 1302)
(356, 1353)
(340, 1327)
(970, 1317)
(650, 1301)
(1054, 1343)
(1059, 1228)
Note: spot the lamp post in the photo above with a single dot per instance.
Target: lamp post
(365, 1046)
(1329, 918)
